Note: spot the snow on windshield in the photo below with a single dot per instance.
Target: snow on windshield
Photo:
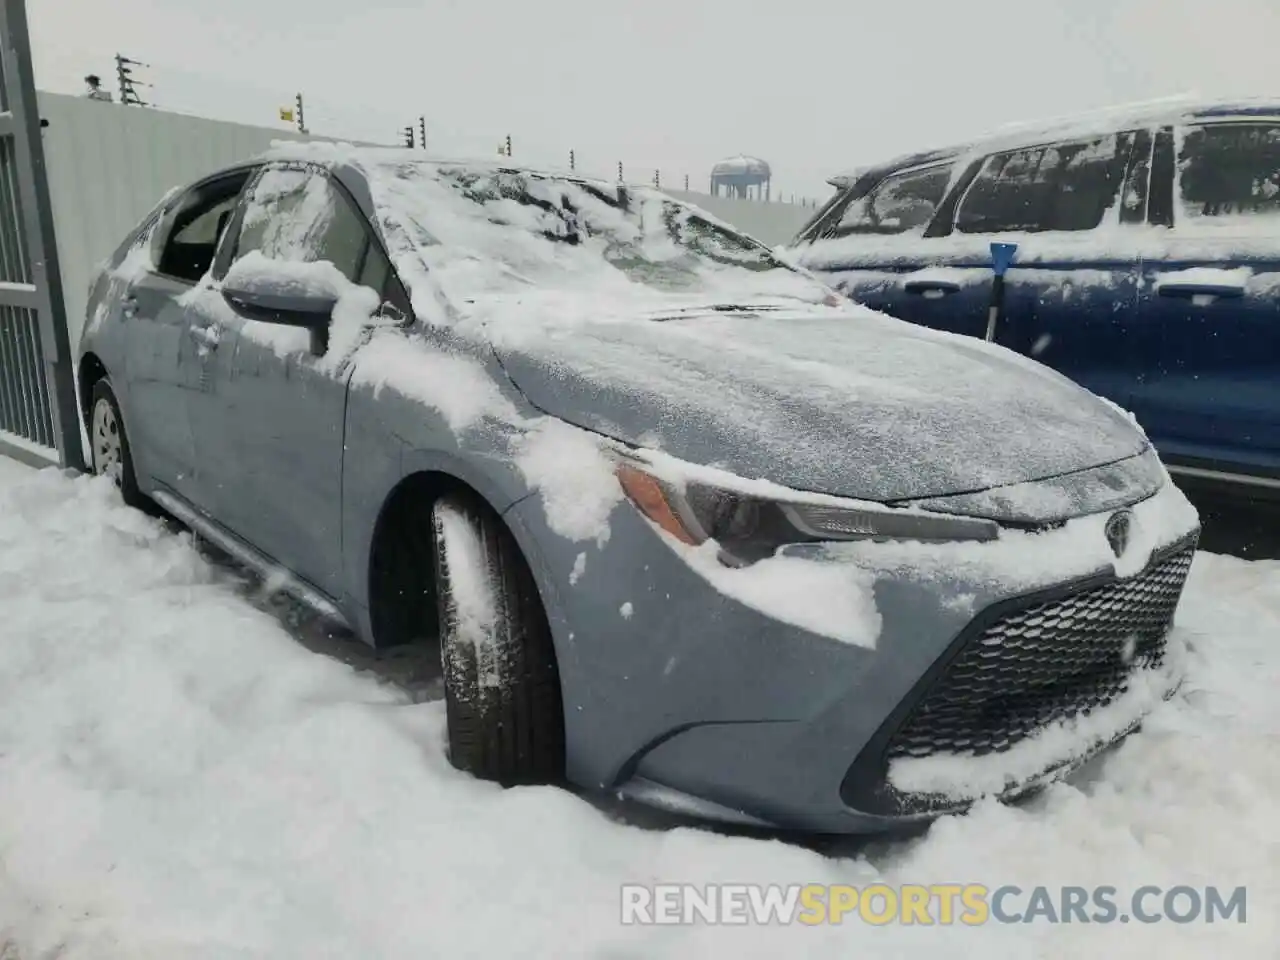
(485, 233)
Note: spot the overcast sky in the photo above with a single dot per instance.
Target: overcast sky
(812, 86)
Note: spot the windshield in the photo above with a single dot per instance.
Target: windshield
(488, 232)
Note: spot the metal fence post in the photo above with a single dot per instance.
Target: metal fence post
(42, 410)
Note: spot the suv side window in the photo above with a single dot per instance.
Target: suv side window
(1229, 170)
(1061, 186)
(903, 203)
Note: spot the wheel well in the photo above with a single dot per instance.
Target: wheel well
(402, 596)
(91, 371)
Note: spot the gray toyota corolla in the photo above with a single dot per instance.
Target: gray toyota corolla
(684, 525)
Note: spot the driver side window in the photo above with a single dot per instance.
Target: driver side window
(301, 216)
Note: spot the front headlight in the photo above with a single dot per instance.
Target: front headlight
(749, 527)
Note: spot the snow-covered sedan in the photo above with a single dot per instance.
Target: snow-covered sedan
(685, 525)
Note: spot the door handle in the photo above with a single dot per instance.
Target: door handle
(205, 336)
(1188, 291)
(931, 289)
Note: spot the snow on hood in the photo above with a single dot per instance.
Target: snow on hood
(841, 401)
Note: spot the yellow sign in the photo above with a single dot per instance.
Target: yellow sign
(286, 113)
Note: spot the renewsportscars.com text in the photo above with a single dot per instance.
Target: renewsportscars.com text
(927, 904)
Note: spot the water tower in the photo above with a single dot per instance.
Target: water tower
(737, 176)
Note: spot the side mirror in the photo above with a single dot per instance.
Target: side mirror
(270, 299)
(269, 303)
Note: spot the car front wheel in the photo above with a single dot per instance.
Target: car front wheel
(502, 686)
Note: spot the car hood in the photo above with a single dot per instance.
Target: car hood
(842, 401)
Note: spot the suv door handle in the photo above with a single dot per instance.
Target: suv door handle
(931, 288)
(1189, 290)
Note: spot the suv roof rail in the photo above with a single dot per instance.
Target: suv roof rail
(1119, 111)
(1099, 121)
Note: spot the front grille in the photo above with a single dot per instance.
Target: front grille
(1045, 663)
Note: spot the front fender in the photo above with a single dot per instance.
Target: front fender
(390, 438)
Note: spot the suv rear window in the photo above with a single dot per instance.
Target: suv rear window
(903, 203)
(1060, 186)
(1230, 170)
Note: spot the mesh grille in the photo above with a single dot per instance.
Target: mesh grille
(1046, 663)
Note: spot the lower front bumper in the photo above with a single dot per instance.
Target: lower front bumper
(852, 822)
(1034, 662)
(1065, 657)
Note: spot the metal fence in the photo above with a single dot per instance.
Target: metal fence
(39, 421)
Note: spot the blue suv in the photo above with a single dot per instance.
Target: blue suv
(1147, 266)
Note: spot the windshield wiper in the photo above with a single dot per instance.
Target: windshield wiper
(675, 313)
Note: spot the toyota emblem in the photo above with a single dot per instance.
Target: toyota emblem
(1117, 530)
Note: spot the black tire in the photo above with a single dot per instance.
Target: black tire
(502, 686)
(110, 444)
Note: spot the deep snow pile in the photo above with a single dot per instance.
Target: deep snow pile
(179, 778)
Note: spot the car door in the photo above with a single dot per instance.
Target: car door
(154, 318)
(1071, 294)
(874, 250)
(152, 321)
(287, 402)
(206, 359)
(1210, 299)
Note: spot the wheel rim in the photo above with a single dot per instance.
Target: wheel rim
(108, 444)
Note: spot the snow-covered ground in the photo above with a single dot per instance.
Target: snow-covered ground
(181, 778)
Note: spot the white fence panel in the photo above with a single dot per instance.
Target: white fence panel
(109, 164)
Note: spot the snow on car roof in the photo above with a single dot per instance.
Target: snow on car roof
(1111, 119)
(340, 153)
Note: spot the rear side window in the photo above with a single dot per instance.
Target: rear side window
(903, 203)
(187, 237)
(1229, 170)
(1060, 186)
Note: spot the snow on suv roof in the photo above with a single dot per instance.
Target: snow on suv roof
(1109, 120)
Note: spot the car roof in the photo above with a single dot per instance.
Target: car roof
(1170, 110)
